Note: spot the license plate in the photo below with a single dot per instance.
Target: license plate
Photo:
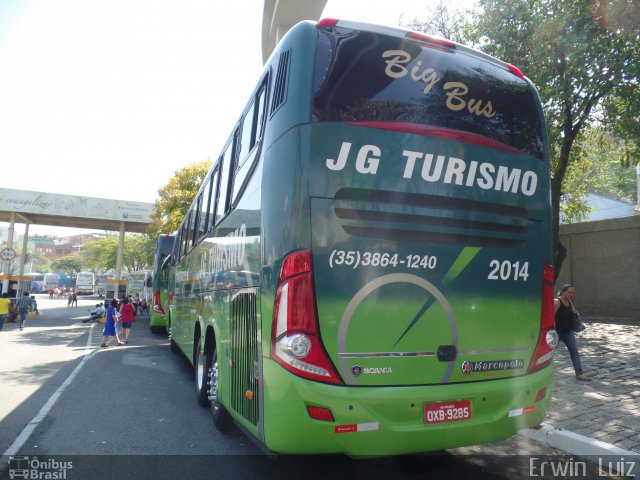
(442, 412)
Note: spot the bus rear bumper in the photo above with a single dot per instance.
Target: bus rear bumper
(391, 420)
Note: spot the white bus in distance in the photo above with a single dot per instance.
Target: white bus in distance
(85, 283)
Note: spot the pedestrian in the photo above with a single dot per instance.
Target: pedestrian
(96, 314)
(24, 306)
(564, 312)
(34, 304)
(143, 306)
(136, 302)
(69, 298)
(74, 298)
(5, 302)
(110, 325)
(51, 293)
(127, 316)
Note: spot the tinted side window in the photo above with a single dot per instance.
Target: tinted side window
(253, 123)
(225, 180)
(213, 197)
(247, 135)
(186, 238)
(408, 82)
(204, 208)
(196, 220)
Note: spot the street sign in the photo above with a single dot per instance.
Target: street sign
(7, 254)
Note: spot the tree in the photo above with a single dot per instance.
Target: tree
(138, 252)
(101, 255)
(582, 57)
(69, 264)
(176, 197)
(444, 20)
(598, 165)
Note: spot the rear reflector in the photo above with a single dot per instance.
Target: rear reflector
(320, 413)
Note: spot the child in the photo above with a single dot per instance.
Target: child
(35, 305)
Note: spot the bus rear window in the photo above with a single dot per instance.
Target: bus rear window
(363, 76)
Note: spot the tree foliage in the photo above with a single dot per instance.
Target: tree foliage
(69, 264)
(582, 57)
(101, 255)
(598, 165)
(176, 197)
(443, 20)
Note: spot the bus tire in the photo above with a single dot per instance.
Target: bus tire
(156, 329)
(200, 374)
(173, 346)
(219, 414)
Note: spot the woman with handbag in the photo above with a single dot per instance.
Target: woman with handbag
(565, 313)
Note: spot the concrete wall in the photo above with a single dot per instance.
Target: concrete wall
(603, 263)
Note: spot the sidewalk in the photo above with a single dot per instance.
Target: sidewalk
(601, 417)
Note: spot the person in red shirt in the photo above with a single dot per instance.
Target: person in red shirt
(127, 314)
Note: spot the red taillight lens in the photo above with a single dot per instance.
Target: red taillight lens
(548, 337)
(328, 22)
(157, 304)
(432, 41)
(295, 337)
(515, 70)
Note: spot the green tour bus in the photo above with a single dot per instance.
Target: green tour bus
(159, 281)
(366, 268)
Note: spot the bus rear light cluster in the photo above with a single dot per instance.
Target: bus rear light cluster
(157, 307)
(548, 337)
(295, 337)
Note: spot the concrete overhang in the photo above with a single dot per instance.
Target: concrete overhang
(280, 15)
(42, 208)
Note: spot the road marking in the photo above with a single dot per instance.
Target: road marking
(40, 416)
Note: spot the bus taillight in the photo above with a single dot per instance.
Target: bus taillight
(548, 337)
(157, 304)
(295, 337)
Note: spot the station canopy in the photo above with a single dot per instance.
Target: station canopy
(41, 208)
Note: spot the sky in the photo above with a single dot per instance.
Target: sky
(109, 99)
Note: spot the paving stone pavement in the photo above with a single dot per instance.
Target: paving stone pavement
(608, 408)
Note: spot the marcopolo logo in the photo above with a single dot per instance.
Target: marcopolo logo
(36, 469)
(491, 366)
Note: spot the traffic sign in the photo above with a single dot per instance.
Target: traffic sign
(7, 254)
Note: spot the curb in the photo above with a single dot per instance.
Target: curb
(585, 447)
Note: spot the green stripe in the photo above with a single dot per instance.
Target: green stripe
(456, 269)
(460, 264)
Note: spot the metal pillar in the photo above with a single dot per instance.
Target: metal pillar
(7, 263)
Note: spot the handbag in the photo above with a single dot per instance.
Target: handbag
(578, 324)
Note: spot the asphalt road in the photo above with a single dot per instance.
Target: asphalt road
(77, 411)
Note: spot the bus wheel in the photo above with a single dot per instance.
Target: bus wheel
(200, 374)
(172, 343)
(221, 418)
